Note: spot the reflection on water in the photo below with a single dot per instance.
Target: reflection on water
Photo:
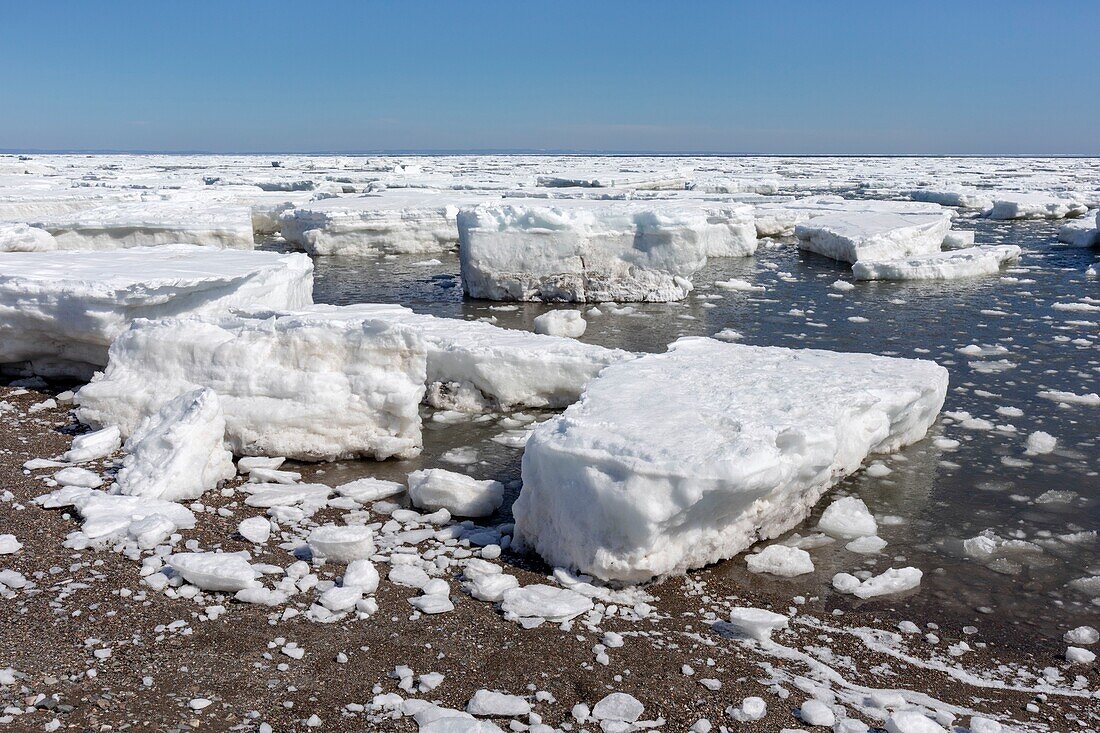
(938, 497)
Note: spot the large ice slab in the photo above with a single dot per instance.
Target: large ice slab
(403, 222)
(152, 223)
(59, 311)
(952, 265)
(873, 235)
(474, 365)
(300, 387)
(1035, 206)
(724, 450)
(579, 250)
(781, 218)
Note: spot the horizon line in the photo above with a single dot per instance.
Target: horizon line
(441, 152)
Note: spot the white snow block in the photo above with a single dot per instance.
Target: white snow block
(435, 488)
(152, 223)
(399, 222)
(473, 366)
(1035, 206)
(59, 311)
(985, 259)
(342, 544)
(93, 446)
(582, 251)
(725, 450)
(299, 387)
(873, 236)
(178, 453)
(16, 237)
(757, 623)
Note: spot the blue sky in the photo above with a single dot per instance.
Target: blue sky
(780, 76)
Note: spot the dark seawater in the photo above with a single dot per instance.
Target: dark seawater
(938, 497)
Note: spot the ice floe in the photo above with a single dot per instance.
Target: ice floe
(738, 455)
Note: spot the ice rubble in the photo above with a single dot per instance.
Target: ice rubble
(1035, 206)
(873, 236)
(299, 387)
(178, 452)
(951, 265)
(594, 251)
(216, 571)
(151, 223)
(570, 324)
(737, 456)
(107, 517)
(403, 222)
(59, 311)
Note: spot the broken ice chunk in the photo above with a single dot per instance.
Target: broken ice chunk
(437, 488)
(215, 571)
(179, 452)
(757, 623)
(342, 544)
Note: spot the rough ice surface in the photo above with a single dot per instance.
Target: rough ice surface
(461, 495)
(873, 236)
(780, 560)
(583, 252)
(152, 223)
(59, 311)
(1035, 206)
(300, 387)
(178, 452)
(404, 222)
(952, 265)
(737, 455)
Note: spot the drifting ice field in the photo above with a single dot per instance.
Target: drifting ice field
(988, 518)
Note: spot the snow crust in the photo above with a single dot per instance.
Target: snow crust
(737, 455)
